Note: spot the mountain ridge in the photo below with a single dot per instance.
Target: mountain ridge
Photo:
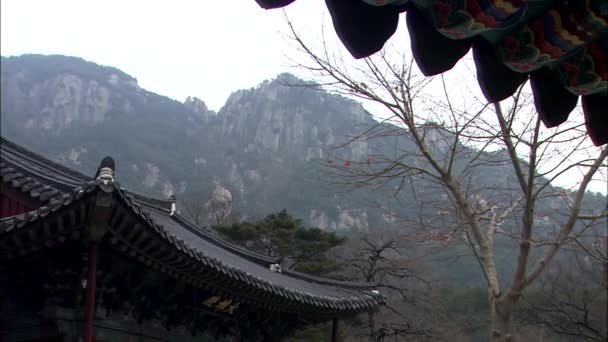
(262, 152)
(82, 111)
(263, 147)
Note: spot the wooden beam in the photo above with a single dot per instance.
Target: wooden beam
(15, 202)
(97, 228)
(89, 310)
(334, 330)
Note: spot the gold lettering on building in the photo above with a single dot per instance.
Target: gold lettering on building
(221, 305)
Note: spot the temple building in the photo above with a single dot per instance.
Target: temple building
(84, 259)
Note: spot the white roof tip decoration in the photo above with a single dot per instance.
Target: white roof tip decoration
(239, 271)
(173, 205)
(105, 172)
(106, 175)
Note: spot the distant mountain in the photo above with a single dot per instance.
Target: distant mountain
(262, 150)
(264, 145)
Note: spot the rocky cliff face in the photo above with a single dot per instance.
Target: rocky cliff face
(197, 105)
(57, 97)
(290, 121)
(259, 154)
(71, 102)
(263, 147)
(274, 137)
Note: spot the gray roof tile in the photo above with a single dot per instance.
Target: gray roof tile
(60, 187)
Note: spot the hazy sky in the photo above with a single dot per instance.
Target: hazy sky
(201, 48)
(181, 48)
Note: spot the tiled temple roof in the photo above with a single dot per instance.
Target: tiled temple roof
(192, 250)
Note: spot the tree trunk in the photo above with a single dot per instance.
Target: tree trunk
(502, 313)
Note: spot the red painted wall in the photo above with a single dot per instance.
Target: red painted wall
(14, 202)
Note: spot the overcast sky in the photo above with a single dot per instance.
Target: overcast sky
(206, 49)
(182, 48)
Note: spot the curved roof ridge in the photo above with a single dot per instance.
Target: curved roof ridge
(336, 296)
(60, 187)
(199, 231)
(20, 156)
(264, 260)
(219, 241)
(42, 161)
(150, 201)
(260, 259)
(16, 221)
(329, 281)
(231, 259)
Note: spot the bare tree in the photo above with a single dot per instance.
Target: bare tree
(215, 211)
(445, 145)
(570, 300)
(381, 258)
(195, 210)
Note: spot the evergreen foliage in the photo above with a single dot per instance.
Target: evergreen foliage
(285, 237)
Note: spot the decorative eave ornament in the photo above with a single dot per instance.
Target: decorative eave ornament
(237, 269)
(173, 205)
(105, 181)
(105, 174)
(560, 45)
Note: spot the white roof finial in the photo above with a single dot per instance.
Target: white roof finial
(173, 205)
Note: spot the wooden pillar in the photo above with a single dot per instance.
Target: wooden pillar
(89, 309)
(99, 219)
(334, 330)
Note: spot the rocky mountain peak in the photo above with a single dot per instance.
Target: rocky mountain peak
(290, 80)
(47, 66)
(196, 105)
(264, 145)
(256, 146)
(58, 93)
